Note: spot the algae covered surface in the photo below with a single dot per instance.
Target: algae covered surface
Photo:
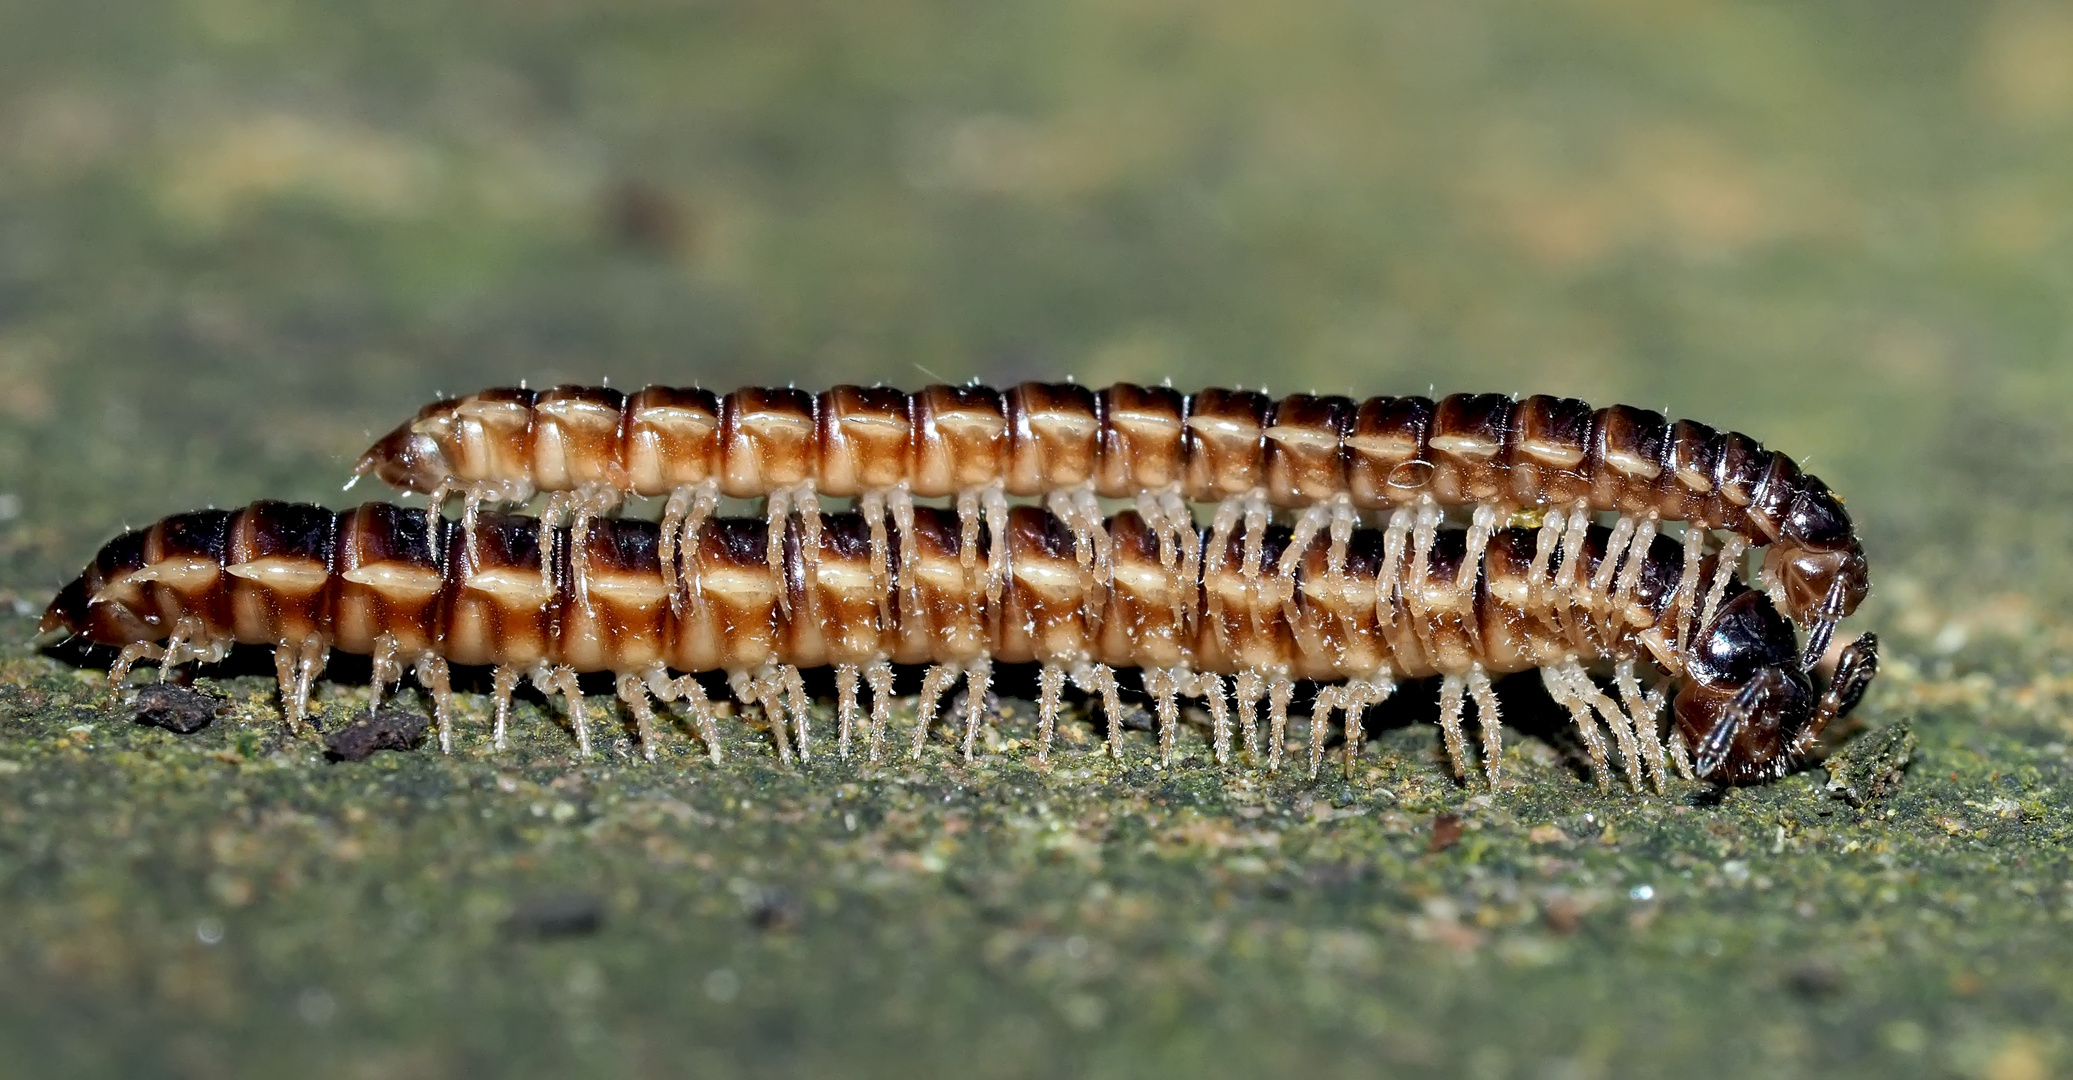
(237, 238)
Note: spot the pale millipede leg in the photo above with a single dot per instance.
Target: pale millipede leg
(689, 689)
(978, 681)
(471, 513)
(1622, 731)
(1545, 543)
(777, 510)
(934, 682)
(1568, 592)
(435, 505)
(1451, 689)
(763, 691)
(1154, 515)
(845, 707)
(635, 695)
(1630, 573)
(284, 673)
(1556, 679)
(1308, 524)
(1329, 700)
(550, 521)
(564, 681)
(901, 505)
(387, 671)
(968, 534)
(995, 498)
(1344, 521)
(1253, 568)
(1100, 679)
(1483, 521)
(880, 677)
(502, 683)
(1279, 689)
(666, 543)
(1050, 681)
(1370, 693)
(432, 675)
(1641, 712)
(1220, 525)
(1190, 555)
(1602, 617)
(1163, 684)
(800, 707)
(1487, 719)
(1209, 686)
(1687, 597)
(169, 655)
(315, 655)
(1680, 757)
(1724, 567)
(872, 505)
(1249, 688)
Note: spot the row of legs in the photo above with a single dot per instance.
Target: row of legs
(1234, 705)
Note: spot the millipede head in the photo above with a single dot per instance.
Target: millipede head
(410, 458)
(1748, 709)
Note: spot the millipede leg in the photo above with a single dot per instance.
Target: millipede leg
(880, 676)
(934, 682)
(1483, 522)
(1451, 689)
(800, 706)
(1163, 684)
(763, 691)
(387, 671)
(872, 506)
(978, 682)
(777, 509)
(1100, 679)
(284, 673)
(635, 695)
(968, 534)
(1724, 566)
(1209, 686)
(1557, 680)
(1050, 681)
(502, 683)
(995, 498)
(127, 659)
(1641, 708)
(1622, 731)
(563, 681)
(1190, 541)
(1279, 689)
(432, 675)
(1487, 718)
(1250, 687)
(845, 707)
(666, 544)
(692, 692)
(1329, 699)
(1370, 693)
(1686, 599)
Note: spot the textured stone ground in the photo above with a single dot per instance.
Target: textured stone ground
(235, 237)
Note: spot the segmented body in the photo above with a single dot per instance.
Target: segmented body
(1234, 621)
(1330, 460)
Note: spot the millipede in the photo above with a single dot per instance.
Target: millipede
(1326, 461)
(1232, 618)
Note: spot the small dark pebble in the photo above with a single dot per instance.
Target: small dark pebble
(182, 710)
(1871, 767)
(774, 910)
(555, 915)
(389, 729)
(1815, 979)
(1446, 832)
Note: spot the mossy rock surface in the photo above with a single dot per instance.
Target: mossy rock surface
(238, 238)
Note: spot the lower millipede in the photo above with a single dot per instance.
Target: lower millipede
(1234, 618)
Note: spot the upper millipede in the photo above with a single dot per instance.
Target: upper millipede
(1234, 620)
(1329, 458)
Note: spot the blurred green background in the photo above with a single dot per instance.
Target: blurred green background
(238, 236)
